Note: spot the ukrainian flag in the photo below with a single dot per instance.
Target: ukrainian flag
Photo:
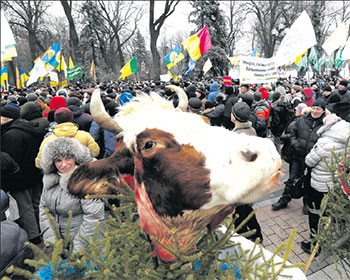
(23, 77)
(4, 76)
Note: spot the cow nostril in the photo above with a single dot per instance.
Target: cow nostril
(250, 156)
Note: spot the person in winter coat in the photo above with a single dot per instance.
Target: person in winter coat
(296, 95)
(83, 120)
(240, 114)
(281, 113)
(66, 128)
(214, 91)
(303, 138)
(308, 96)
(231, 100)
(60, 158)
(262, 109)
(333, 136)
(342, 91)
(13, 250)
(216, 116)
(21, 139)
(33, 112)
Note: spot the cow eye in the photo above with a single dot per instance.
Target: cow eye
(149, 145)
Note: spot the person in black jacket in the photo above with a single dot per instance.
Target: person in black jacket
(83, 120)
(303, 138)
(21, 139)
(13, 250)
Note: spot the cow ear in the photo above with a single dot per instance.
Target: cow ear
(93, 177)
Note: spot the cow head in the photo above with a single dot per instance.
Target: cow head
(185, 169)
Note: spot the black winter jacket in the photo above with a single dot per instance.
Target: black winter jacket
(21, 139)
(83, 120)
(303, 134)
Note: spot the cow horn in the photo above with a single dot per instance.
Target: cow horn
(100, 115)
(183, 100)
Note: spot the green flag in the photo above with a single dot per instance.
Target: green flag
(129, 68)
(338, 59)
(313, 55)
(319, 63)
(331, 61)
(74, 72)
(304, 61)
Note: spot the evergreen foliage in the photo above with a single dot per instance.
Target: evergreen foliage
(139, 50)
(209, 13)
(123, 251)
(333, 234)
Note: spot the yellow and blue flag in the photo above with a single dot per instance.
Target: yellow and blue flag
(23, 77)
(53, 55)
(4, 76)
(173, 57)
(255, 51)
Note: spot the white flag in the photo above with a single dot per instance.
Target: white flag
(207, 66)
(336, 40)
(346, 51)
(7, 42)
(38, 71)
(299, 38)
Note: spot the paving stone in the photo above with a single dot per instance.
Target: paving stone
(319, 275)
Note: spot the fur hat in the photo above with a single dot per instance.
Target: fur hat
(241, 111)
(10, 112)
(63, 114)
(63, 147)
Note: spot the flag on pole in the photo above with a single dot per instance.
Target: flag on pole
(319, 63)
(207, 66)
(255, 51)
(338, 59)
(74, 72)
(52, 56)
(198, 43)
(190, 67)
(299, 37)
(313, 56)
(23, 77)
(18, 79)
(227, 80)
(7, 42)
(71, 65)
(173, 57)
(304, 61)
(331, 61)
(93, 71)
(4, 77)
(336, 40)
(38, 71)
(129, 68)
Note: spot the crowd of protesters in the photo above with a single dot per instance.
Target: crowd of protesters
(35, 165)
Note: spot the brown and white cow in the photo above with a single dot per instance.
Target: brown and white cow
(188, 174)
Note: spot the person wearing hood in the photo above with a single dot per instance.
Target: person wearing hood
(66, 128)
(60, 158)
(214, 91)
(83, 120)
(33, 112)
(333, 136)
(308, 96)
(21, 140)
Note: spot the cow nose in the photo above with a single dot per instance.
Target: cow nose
(249, 155)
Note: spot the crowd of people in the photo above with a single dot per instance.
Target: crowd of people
(47, 132)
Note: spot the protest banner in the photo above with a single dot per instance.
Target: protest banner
(256, 70)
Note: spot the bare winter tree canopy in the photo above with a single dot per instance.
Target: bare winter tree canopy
(110, 33)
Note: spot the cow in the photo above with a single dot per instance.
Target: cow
(188, 175)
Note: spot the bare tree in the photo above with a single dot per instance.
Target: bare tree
(237, 13)
(73, 35)
(118, 15)
(29, 15)
(154, 27)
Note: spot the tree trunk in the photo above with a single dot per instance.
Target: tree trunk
(73, 35)
(154, 37)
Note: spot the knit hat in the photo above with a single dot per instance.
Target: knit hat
(343, 83)
(74, 101)
(63, 114)
(10, 112)
(57, 102)
(300, 107)
(257, 96)
(319, 102)
(195, 103)
(32, 97)
(31, 110)
(241, 111)
(327, 88)
(247, 98)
